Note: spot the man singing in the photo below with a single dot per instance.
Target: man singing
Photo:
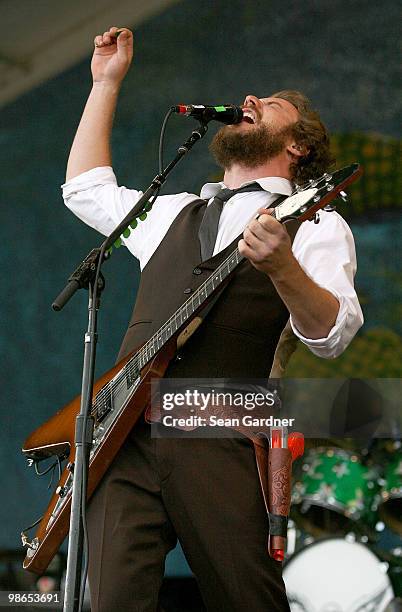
(205, 492)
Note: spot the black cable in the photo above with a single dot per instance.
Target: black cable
(38, 473)
(151, 202)
(148, 205)
(59, 460)
(85, 541)
(33, 524)
(161, 138)
(46, 471)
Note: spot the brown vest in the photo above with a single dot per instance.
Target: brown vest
(239, 335)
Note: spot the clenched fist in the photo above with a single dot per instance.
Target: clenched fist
(112, 55)
(266, 244)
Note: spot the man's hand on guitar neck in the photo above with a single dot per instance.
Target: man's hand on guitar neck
(111, 60)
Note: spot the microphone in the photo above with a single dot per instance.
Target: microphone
(225, 113)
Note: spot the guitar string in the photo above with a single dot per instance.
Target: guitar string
(146, 352)
(152, 346)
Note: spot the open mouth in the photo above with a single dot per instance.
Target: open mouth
(248, 116)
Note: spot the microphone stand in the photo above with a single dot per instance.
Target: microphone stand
(89, 276)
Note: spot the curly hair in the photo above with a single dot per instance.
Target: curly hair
(311, 134)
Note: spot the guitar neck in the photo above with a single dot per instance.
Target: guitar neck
(186, 311)
(125, 379)
(301, 204)
(178, 321)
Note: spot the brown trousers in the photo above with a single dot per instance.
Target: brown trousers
(206, 493)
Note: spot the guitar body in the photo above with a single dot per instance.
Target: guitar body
(56, 437)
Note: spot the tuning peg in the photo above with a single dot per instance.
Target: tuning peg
(344, 196)
(315, 218)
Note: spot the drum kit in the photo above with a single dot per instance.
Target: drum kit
(344, 538)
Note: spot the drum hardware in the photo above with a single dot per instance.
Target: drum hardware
(395, 605)
(338, 575)
(393, 558)
(390, 498)
(291, 538)
(348, 498)
(297, 539)
(336, 493)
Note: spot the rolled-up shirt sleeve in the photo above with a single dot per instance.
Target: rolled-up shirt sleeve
(95, 198)
(325, 251)
(327, 254)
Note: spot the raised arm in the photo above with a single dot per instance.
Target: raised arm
(110, 63)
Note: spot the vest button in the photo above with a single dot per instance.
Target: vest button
(188, 290)
(197, 271)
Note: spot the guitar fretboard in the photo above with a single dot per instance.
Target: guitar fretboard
(184, 313)
(295, 205)
(104, 398)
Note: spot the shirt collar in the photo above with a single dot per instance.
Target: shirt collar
(272, 184)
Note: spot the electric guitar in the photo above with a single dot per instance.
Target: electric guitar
(123, 393)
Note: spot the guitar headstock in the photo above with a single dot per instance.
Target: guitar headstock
(316, 194)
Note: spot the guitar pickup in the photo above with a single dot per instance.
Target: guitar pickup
(103, 403)
(131, 376)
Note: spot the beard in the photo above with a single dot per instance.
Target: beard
(250, 148)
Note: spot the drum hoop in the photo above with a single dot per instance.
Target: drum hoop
(329, 539)
(395, 495)
(354, 516)
(347, 454)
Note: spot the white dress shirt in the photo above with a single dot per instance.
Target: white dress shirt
(325, 251)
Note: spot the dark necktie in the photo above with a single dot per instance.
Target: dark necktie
(210, 221)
